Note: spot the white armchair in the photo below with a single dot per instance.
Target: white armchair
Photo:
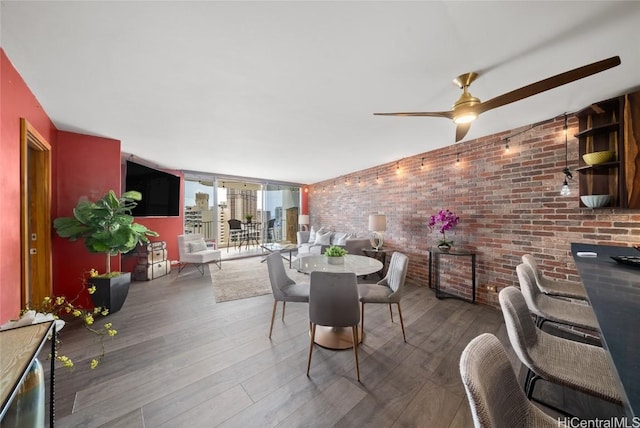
(193, 250)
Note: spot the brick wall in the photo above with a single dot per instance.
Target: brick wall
(509, 204)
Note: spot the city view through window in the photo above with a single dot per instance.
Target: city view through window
(241, 216)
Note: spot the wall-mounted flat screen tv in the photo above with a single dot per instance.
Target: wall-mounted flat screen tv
(160, 191)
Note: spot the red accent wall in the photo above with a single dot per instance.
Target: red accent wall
(88, 167)
(304, 200)
(16, 101)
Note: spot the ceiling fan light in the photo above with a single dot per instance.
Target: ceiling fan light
(465, 117)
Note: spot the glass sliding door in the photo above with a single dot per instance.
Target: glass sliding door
(280, 209)
(219, 208)
(199, 207)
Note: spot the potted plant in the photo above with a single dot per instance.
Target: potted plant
(447, 221)
(248, 217)
(107, 227)
(335, 255)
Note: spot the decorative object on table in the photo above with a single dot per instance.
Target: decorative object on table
(595, 201)
(377, 225)
(335, 255)
(248, 218)
(303, 221)
(58, 308)
(596, 158)
(447, 221)
(108, 227)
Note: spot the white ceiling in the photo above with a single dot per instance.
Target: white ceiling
(286, 90)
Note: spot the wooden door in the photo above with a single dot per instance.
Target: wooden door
(35, 214)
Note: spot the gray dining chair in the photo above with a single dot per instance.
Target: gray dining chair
(576, 365)
(547, 308)
(493, 391)
(333, 302)
(388, 290)
(284, 288)
(554, 287)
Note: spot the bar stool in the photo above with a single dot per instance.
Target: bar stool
(579, 366)
(554, 287)
(547, 308)
(494, 395)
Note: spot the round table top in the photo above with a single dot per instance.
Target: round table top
(360, 265)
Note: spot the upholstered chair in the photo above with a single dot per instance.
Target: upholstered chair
(492, 388)
(547, 308)
(333, 302)
(192, 249)
(554, 287)
(388, 290)
(284, 288)
(576, 365)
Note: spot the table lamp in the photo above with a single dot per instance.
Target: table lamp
(303, 220)
(377, 225)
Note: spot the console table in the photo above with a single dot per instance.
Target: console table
(18, 348)
(434, 272)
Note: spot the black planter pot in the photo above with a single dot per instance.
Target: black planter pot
(111, 292)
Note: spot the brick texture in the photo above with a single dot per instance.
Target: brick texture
(509, 204)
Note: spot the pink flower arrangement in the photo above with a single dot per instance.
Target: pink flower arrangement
(447, 221)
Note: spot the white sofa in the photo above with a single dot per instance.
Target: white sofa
(353, 245)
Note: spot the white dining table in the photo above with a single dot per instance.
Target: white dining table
(337, 337)
(360, 265)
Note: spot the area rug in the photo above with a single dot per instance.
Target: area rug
(242, 278)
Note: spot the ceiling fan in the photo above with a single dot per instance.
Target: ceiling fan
(468, 107)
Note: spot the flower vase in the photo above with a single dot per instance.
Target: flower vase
(332, 260)
(444, 247)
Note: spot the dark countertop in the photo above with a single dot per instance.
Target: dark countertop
(613, 290)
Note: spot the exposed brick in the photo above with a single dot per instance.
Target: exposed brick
(509, 204)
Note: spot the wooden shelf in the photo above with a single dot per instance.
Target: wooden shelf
(608, 127)
(605, 165)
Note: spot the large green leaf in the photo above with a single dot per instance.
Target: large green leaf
(105, 225)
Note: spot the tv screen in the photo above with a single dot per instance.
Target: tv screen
(160, 191)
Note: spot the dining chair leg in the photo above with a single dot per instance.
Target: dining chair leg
(362, 321)
(390, 312)
(273, 316)
(313, 337)
(284, 305)
(354, 331)
(401, 322)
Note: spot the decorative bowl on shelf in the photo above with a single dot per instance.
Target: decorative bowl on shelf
(596, 158)
(595, 201)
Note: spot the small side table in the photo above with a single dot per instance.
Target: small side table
(380, 255)
(434, 272)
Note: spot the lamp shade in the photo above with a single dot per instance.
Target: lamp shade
(303, 219)
(377, 222)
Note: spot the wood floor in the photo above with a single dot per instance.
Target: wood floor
(181, 360)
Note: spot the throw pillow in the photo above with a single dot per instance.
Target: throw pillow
(323, 238)
(196, 246)
(340, 238)
(312, 235)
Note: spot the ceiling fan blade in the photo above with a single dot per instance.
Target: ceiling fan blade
(446, 114)
(549, 83)
(461, 130)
